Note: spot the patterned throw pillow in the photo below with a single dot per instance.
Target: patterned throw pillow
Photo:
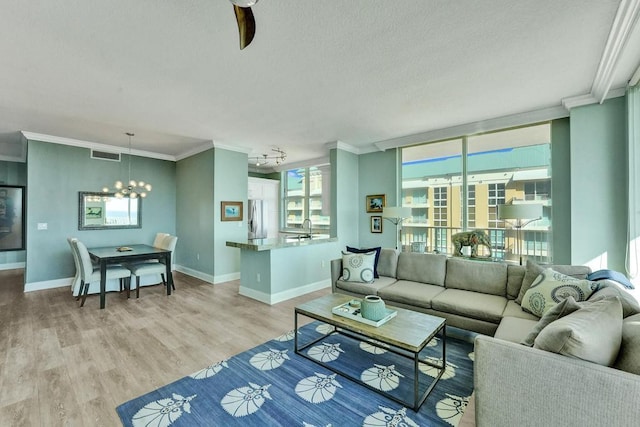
(551, 287)
(358, 267)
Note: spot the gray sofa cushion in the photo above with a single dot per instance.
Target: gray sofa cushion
(478, 276)
(425, 268)
(592, 333)
(533, 270)
(629, 356)
(514, 329)
(470, 304)
(563, 308)
(412, 293)
(609, 288)
(513, 309)
(388, 262)
(365, 288)
(515, 274)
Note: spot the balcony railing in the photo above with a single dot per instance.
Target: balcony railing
(504, 243)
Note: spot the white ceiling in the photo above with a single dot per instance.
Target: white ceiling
(318, 71)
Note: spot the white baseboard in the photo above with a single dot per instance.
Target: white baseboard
(207, 277)
(12, 265)
(284, 295)
(226, 277)
(48, 284)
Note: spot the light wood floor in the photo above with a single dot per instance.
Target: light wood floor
(64, 365)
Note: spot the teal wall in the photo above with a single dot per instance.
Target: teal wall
(561, 190)
(203, 181)
(55, 175)
(194, 212)
(344, 185)
(377, 174)
(12, 173)
(231, 183)
(599, 184)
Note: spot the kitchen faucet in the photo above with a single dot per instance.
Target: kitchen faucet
(310, 226)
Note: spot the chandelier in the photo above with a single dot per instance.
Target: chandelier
(134, 188)
(264, 159)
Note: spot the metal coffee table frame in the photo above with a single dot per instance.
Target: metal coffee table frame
(360, 335)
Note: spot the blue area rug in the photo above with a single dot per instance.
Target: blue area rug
(270, 385)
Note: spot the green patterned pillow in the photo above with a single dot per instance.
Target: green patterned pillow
(551, 287)
(358, 267)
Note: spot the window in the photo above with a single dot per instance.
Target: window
(306, 196)
(537, 190)
(501, 167)
(471, 206)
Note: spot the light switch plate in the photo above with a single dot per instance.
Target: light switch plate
(42, 226)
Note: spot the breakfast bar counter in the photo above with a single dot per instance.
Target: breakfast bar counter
(281, 242)
(277, 269)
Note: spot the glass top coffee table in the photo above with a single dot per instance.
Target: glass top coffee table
(406, 335)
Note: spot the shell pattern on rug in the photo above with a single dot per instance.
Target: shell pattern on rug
(163, 412)
(286, 337)
(388, 417)
(372, 348)
(243, 401)
(449, 372)
(451, 408)
(325, 352)
(209, 371)
(268, 360)
(318, 388)
(383, 378)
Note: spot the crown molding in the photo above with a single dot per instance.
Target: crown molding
(238, 149)
(202, 148)
(580, 100)
(339, 145)
(93, 145)
(623, 24)
(481, 126)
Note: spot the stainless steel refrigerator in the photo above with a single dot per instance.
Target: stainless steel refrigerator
(257, 219)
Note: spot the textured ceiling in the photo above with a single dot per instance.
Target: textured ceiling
(318, 71)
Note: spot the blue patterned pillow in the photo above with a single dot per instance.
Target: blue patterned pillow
(364, 251)
(358, 267)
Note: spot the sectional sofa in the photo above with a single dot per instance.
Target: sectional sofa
(517, 384)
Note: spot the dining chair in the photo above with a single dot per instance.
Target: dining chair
(139, 269)
(90, 274)
(157, 242)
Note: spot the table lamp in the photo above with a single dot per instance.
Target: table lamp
(396, 214)
(519, 216)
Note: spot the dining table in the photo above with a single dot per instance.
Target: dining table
(126, 254)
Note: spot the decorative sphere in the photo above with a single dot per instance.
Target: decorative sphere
(148, 187)
(143, 194)
(105, 189)
(118, 185)
(119, 195)
(133, 195)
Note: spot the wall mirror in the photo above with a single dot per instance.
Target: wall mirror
(104, 211)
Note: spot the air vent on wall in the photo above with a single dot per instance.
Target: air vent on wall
(103, 155)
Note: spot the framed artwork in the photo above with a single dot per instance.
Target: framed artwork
(12, 218)
(375, 203)
(376, 224)
(231, 211)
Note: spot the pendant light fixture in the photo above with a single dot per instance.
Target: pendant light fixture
(133, 189)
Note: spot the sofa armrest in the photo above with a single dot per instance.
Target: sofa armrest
(523, 386)
(336, 272)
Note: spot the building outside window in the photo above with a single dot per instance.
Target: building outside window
(501, 167)
(306, 197)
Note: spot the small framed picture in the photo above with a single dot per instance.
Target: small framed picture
(376, 224)
(375, 203)
(231, 211)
